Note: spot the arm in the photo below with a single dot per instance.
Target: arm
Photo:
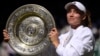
(80, 45)
(84, 43)
(53, 35)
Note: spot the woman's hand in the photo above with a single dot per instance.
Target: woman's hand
(53, 35)
(6, 35)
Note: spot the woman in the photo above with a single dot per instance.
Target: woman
(78, 41)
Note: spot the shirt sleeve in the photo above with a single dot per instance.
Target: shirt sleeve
(60, 47)
(84, 43)
(60, 50)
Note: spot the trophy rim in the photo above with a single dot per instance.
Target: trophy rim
(46, 39)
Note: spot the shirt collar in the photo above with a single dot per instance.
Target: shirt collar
(78, 28)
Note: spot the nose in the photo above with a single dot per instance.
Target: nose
(71, 14)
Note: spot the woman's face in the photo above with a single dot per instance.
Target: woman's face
(74, 18)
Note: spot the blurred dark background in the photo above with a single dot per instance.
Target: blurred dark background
(56, 7)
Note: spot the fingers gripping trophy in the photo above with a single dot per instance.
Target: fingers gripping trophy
(28, 27)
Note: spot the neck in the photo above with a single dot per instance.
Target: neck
(74, 27)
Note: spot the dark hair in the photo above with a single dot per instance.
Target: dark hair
(87, 21)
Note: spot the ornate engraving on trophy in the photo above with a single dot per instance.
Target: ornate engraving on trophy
(28, 27)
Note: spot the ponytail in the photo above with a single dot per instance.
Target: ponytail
(87, 22)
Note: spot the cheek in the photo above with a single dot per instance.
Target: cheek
(67, 17)
(77, 21)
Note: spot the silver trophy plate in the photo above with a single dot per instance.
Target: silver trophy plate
(28, 27)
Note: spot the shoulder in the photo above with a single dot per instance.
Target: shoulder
(87, 30)
(86, 33)
(83, 32)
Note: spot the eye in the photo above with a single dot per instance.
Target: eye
(68, 11)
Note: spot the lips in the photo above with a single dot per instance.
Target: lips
(71, 18)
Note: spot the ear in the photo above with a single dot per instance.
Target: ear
(84, 18)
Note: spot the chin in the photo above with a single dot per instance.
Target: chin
(71, 23)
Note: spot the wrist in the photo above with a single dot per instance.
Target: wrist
(55, 43)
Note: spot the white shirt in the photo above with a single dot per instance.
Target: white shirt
(76, 42)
